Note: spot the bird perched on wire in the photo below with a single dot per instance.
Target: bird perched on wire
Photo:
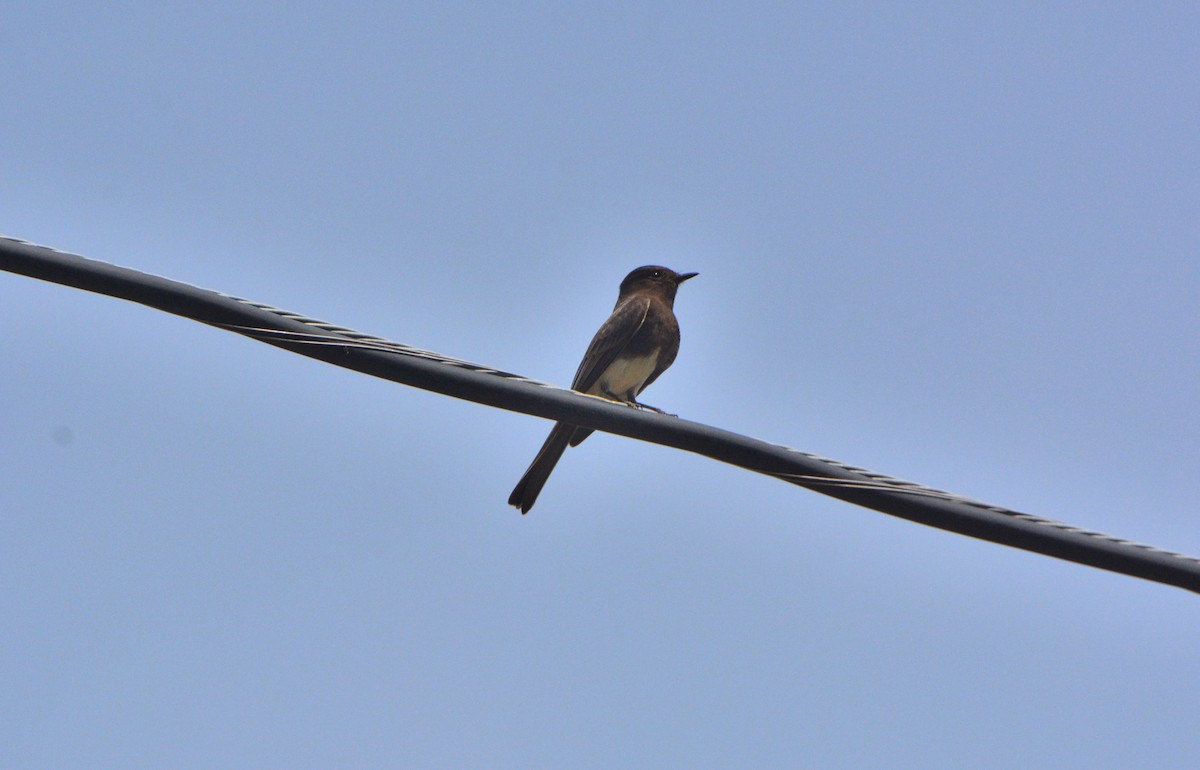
(632, 348)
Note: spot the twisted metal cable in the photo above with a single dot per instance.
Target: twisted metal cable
(463, 379)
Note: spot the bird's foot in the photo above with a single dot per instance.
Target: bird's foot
(651, 408)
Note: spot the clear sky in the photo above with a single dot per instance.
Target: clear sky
(952, 242)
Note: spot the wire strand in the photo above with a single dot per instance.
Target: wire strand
(455, 377)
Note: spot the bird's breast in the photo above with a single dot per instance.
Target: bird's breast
(625, 376)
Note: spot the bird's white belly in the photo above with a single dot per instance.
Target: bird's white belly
(624, 377)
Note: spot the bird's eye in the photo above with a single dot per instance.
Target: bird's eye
(657, 274)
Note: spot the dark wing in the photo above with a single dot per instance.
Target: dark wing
(612, 338)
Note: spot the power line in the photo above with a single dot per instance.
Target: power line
(462, 379)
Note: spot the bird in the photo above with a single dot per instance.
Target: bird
(631, 349)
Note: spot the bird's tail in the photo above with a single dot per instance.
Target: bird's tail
(579, 435)
(526, 492)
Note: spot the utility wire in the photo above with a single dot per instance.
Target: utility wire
(462, 379)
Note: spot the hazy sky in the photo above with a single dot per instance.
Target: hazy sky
(954, 243)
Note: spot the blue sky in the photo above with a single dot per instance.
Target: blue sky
(954, 244)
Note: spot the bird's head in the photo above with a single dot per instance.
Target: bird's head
(655, 278)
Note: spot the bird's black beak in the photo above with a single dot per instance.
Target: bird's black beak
(684, 276)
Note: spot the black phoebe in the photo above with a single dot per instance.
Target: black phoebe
(635, 345)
